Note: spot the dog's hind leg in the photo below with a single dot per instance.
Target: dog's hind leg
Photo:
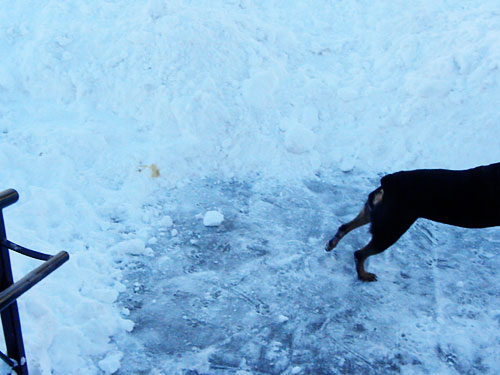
(387, 227)
(363, 218)
(360, 220)
(360, 257)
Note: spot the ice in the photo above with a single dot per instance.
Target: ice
(260, 295)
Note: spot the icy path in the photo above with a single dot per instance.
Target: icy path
(258, 295)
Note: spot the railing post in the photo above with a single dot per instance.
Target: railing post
(10, 316)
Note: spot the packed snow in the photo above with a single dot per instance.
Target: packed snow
(213, 219)
(122, 121)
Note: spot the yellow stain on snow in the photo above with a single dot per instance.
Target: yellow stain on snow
(155, 171)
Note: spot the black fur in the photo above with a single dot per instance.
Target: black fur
(467, 198)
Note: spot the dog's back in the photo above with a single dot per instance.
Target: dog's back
(468, 198)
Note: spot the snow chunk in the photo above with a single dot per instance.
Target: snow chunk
(111, 363)
(213, 219)
(131, 247)
(299, 140)
(166, 222)
(347, 164)
(283, 318)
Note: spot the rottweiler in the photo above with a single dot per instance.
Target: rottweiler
(465, 198)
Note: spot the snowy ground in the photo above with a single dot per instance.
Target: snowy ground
(258, 294)
(280, 114)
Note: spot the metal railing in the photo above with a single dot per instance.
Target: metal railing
(10, 291)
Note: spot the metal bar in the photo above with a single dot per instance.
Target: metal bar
(10, 315)
(8, 197)
(11, 363)
(25, 251)
(9, 295)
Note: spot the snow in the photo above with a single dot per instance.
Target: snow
(213, 219)
(120, 121)
(299, 140)
(282, 319)
(111, 363)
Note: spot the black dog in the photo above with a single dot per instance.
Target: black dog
(468, 198)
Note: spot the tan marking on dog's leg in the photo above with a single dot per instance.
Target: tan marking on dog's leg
(359, 257)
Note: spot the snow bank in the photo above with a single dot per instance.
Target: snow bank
(92, 91)
(384, 85)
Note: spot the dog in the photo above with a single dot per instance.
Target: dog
(464, 198)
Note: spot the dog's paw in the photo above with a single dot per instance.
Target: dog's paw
(331, 244)
(367, 276)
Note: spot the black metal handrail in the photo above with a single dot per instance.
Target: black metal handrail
(14, 291)
(8, 197)
(10, 291)
(25, 251)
